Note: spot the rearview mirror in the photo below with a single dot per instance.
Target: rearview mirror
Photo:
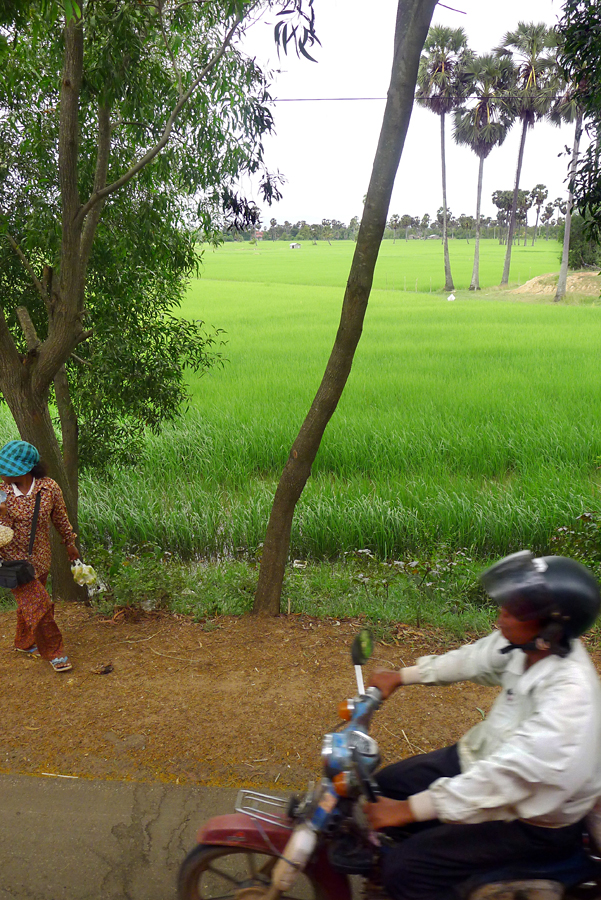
(362, 648)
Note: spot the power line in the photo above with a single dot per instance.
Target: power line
(352, 99)
(321, 99)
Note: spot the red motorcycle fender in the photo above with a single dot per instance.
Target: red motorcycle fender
(239, 830)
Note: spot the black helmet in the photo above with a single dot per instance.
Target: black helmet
(548, 588)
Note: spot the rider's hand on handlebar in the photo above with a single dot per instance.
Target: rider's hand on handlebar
(386, 680)
(387, 813)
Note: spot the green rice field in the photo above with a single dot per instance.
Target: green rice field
(474, 423)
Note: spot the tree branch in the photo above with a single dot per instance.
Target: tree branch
(9, 355)
(69, 428)
(148, 157)
(84, 336)
(102, 163)
(168, 48)
(30, 271)
(83, 362)
(28, 328)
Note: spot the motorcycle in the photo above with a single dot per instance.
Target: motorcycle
(307, 848)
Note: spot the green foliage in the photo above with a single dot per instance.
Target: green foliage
(484, 122)
(356, 585)
(443, 80)
(585, 249)
(137, 65)
(532, 48)
(579, 59)
(581, 540)
(130, 374)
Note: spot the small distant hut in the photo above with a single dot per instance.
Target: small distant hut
(294, 246)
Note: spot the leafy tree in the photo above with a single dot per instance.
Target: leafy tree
(466, 224)
(568, 108)
(561, 205)
(547, 218)
(580, 64)
(327, 230)
(412, 23)
(406, 223)
(585, 248)
(523, 205)
(116, 115)
(484, 124)
(539, 194)
(503, 200)
(442, 86)
(354, 227)
(531, 47)
(394, 224)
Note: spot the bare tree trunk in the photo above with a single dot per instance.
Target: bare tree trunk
(535, 232)
(475, 283)
(562, 281)
(448, 278)
(63, 586)
(413, 21)
(514, 204)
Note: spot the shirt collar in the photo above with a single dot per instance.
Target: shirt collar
(19, 493)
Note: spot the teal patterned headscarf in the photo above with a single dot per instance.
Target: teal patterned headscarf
(18, 458)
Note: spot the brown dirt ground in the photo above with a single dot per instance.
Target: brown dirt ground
(588, 283)
(231, 701)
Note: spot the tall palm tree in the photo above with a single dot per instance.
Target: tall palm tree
(441, 87)
(484, 124)
(568, 108)
(532, 48)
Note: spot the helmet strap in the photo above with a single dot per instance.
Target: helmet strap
(551, 637)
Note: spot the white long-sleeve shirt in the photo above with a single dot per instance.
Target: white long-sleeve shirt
(537, 756)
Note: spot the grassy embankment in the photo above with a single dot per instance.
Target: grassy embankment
(468, 424)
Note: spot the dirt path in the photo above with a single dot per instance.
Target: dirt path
(234, 701)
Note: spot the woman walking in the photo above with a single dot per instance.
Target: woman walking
(23, 480)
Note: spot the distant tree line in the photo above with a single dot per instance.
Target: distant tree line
(548, 220)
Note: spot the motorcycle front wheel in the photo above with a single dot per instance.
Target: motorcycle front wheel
(234, 873)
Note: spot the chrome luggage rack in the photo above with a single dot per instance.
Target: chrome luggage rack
(264, 807)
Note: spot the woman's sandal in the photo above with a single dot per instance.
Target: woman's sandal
(31, 651)
(61, 664)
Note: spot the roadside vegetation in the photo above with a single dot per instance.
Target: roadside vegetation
(468, 429)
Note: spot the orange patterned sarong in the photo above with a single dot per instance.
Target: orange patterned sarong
(35, 620)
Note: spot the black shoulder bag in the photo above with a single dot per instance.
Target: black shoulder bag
(20, 571)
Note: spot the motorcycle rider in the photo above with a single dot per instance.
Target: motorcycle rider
(517, 786)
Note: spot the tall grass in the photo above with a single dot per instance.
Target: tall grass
(467, 423)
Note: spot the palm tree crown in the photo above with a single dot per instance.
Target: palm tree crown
(441, 77)
(532, 48)
(484, 124)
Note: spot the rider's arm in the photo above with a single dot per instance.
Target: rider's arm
(480, 662)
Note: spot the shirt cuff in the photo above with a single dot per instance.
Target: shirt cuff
(411, 675)
(422, 806)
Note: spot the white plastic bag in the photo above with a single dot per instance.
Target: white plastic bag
(6, 535)
(83, 574)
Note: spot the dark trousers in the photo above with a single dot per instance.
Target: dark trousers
(436, 857)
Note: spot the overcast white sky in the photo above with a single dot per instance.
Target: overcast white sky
(325, 149)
